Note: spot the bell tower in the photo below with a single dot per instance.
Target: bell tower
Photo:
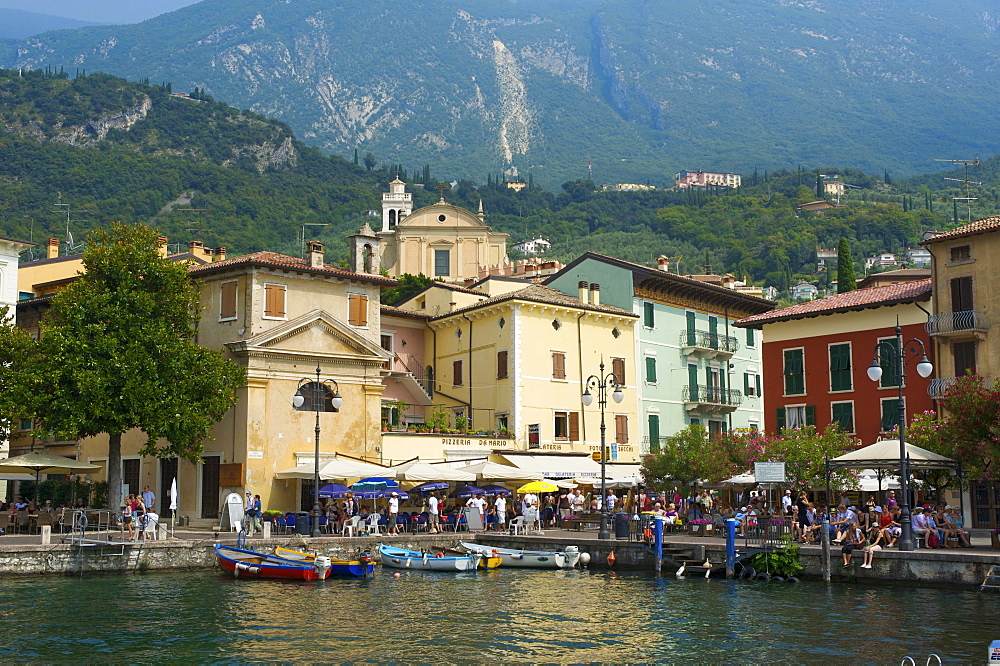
(366, 251)
(397, 203)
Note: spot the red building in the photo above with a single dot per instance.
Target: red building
(816, 356)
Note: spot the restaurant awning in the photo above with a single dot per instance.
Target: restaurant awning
(553, 466)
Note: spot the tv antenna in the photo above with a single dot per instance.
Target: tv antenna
(302, 236)
(70, 211)
(968, 198)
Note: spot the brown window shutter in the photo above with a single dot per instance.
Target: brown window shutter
(274, 300)
(228, 308)
(502, 365)
(357, 312)
(457, 371)
(618, 367)
(621, 429)
(362, 310)
(559, 365)
(574, 426)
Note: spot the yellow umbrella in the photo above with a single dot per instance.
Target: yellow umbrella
(538, 487)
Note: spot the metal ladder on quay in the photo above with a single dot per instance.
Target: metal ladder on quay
(992, 579)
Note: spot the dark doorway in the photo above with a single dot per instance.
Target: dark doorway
(168, 472)
(210, 487)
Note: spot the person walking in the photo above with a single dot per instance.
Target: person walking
(500, 506)
(393, 513)
(433, 514)
(149, 499)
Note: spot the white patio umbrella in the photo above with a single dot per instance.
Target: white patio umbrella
(173, 505)
(420, 471)
(337, 468)
(490, 471)
(44, 462)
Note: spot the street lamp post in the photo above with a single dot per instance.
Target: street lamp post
(317, 391)
(924, 369)
(601, 382)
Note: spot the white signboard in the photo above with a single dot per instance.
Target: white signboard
(233, 514)
(255, 455)
(769, 472)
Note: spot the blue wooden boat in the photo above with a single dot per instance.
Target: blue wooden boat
(361, 567)
(401, 558)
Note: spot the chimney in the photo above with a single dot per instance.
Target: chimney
(663, 263)
(581, 288)
(729, 282)
(314, 254)
(595, 293)
(220, 253)
(52, 250)
(196, 248)
(161, 246)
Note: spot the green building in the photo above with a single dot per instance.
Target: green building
(691, 364)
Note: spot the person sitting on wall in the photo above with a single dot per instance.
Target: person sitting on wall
(854, 539)
(952, 523)
(876, 539)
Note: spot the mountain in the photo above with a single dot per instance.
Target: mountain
(636, 88)
(18, 24)
(97, 11)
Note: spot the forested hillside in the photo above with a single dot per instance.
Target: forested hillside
(198, 169)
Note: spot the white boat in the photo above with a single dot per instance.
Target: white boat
(537, 559)
(401, 558)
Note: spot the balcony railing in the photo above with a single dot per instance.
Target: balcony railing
(652, 444)
(952, 323)
(713, 395)
(408, 363)
(714, 341)
(939, 386)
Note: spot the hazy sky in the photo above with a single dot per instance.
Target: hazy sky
(99, 11)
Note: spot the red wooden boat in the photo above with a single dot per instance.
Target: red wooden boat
(252, 564)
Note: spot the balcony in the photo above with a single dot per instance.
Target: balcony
(708, 345)
(956, 324)
(712, 399)
(939, 387)
(653, 444)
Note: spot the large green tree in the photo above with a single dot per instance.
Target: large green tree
(846, 281)
(118, 352)
(18, 375)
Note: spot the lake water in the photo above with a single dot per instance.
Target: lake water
(504, 615)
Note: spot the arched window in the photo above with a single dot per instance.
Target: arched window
(392, 218)
(310, 392)
(367, 254)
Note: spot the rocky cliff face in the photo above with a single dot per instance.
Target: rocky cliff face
(639, 88)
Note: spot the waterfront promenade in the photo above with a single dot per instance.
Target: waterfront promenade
(191, 549)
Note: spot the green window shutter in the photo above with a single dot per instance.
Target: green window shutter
(794, 372)
(713, 332)
(888, 352)
(650, 370)
(890, 414)
(840, 367)
(647, 309)
(810, 415)
(654, 433)
(746, 383)
(722, 387)
(691, 337)
(843, 416)
(750, 337)
(781, 418)
(693, 381)
(757, 377)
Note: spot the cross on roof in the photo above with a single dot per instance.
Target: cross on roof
(442, 187)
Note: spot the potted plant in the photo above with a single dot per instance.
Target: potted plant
(461, 423)
(396, 409)
(439, 420)
(270, 515)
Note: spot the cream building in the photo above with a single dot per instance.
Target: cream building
(513, 356)
(441, 241)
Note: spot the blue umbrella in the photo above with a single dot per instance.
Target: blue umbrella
(467, 491)
(380, 494)
(430, 485)
(374, 483)
(494, 491)
(334, 490)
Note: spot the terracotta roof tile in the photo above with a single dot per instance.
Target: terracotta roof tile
(538, 293)
(984, 225)
(390, 310)
(858, 299)
(275, 260)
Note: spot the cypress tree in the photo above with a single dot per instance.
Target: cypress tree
(819, 186)
(355, 155)
(845, 268)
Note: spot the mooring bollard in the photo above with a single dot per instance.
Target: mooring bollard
(161, 531)
(657, 543)
(266, 532)
(46, 535)
(825, 540)
(730, 547)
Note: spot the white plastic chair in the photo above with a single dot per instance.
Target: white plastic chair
(517, 525)
(373, 526)
(351, 526)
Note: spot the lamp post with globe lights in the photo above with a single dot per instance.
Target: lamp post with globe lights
(896, 354)
(601, 383)
(316, 395)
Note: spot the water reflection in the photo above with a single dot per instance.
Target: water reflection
(504, 615)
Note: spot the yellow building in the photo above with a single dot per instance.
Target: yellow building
(516, 359)
(441, 241)
(279, 317)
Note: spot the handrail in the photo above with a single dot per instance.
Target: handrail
(955, 322)
(707, 340)
(713, 395)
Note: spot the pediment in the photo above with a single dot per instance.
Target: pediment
(317, 332)
(454, 217)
